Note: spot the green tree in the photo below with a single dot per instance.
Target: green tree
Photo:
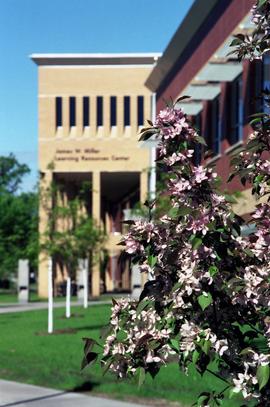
(11, 174)
(70, 234)
(18, 217)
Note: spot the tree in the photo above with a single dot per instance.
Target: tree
(70, 234)
(208, 301)
(18, 218)
(11, 174)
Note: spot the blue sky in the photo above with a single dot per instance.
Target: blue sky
(36, 26)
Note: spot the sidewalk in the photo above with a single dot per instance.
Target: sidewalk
(25, 395)
(31, 306)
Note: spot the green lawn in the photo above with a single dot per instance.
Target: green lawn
(29, 355)
(7, 296)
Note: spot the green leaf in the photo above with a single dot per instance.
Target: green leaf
(203, 399)
(175, 344)
(181, 98)
(89, 359)
(173, 213)
(152, 260)
(141, 376)
(235, 41)
(205, 300)
(184, 210)
(89, 344)
(107, 365)
(196, 243)
(206, 346)
(200, 140)
(261, 3)
(262, 375)
(233, 392)
(213, 270)
(142, 305)
(195, 356)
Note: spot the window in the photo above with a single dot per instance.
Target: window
(58, 112)
(126, 110)
(85, 111)
(113, 110)
(236, 111)
(266, 78)
(215, 126)
(72, 111)
(99, 111)
(140, 105)
(256, 82)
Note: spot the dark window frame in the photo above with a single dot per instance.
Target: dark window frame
(126, 111)
(236, 110)
(113, 111)
(140, 110)
(266, 78)
(58, 111)
(72, 111)
(86, 111)
(216, 126)
(99, 101)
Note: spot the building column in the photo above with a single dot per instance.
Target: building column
(126, 276)
(43, 257)
(93, 115)
(143, 186)
(95, 277)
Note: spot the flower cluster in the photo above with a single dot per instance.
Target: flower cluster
(208, 299)
(209, 289)
(254, 46)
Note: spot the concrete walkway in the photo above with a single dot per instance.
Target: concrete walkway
(31, 306)
(25, 395)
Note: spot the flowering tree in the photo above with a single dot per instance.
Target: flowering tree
(207, 302)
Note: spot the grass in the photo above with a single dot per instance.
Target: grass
(8, 296)
(29, 355)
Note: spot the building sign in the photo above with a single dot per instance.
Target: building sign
(85, 155)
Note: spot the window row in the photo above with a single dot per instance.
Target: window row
(240, 102)
(99, 111)
(218, 122)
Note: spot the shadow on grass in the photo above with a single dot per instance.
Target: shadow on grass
(70, 331)
(87, 386)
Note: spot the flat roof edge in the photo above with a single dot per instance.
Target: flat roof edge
(96, 59)
(196, 15)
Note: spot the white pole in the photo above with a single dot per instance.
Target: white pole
(50, 296)
(85, 284)
(68, 290)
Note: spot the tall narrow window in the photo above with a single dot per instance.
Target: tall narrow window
(113, 110)
(85, 111)
(99, 111)
(72, 111)
(237, 110)
(126, 110)
(266, 78)
(140, 105)
(58, 111)
(215, 126)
